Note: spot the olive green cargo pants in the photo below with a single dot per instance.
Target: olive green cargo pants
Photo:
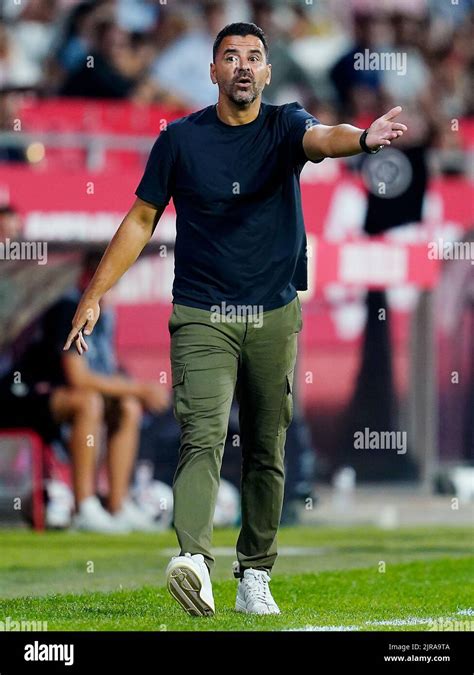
(210, 359)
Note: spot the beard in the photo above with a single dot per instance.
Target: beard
(241, 97)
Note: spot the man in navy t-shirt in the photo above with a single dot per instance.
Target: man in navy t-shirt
(240, 231)
(232, 171)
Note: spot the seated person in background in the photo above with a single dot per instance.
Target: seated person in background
(10, 224)
(49, 386)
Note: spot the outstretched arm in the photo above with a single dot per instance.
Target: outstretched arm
(342, 140)
(127, 244)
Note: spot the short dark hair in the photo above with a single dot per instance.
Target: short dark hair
(240, 28)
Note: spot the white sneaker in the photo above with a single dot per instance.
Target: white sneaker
(59, 505)
(188, 581)
(134, 518)
(92, 517)
(253, 594)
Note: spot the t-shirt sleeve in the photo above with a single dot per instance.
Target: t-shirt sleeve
(156, 185)
(299, 121)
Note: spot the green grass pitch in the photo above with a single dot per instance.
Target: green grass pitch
(360, 578)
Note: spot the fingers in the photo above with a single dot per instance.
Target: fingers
(398, 126)
(70, 338)
(81, 344)
(84, 321)
(393, 113)
(393, 134)
(76, 336)
(89, 327)
(389, 136)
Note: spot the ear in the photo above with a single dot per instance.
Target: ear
(212, 71)
(269, 76)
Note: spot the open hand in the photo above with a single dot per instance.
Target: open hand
(384, 130)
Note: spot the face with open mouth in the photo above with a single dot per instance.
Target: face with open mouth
(241, 69)
(244, 89)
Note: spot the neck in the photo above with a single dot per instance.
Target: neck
(234, 115)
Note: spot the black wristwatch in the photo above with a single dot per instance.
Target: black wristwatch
(365, 147)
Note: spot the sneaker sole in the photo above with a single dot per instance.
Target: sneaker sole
(185, 586)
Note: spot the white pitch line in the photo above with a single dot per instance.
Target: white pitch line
(410, 621)
(321, 628)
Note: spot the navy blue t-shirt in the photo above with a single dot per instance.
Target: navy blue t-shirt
(240, 235)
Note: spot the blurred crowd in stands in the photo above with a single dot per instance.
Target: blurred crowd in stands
(149, 50)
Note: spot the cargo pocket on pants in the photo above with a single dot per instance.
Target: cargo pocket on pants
(286, 410)
(178, 372)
